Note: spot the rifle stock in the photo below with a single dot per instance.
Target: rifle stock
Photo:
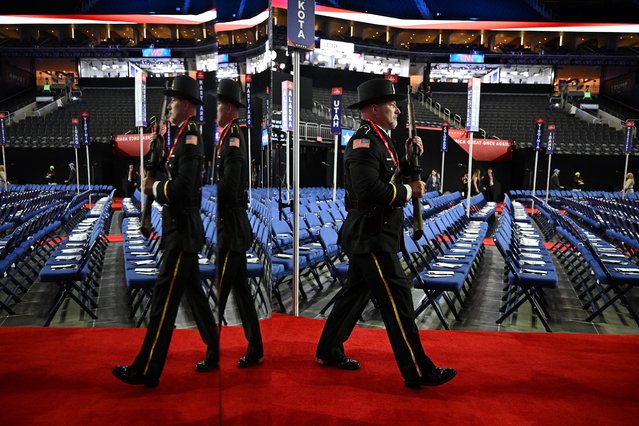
(418, 220)
(152, 167)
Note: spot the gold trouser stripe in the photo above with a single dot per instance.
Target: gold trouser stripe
(219, 289)
(166, 194)
(394, 194)
(219, 284)
(399, 323)
(166, 305)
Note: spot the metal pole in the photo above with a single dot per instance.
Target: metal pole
(532, 211)
(625, 172)
(77, 172)
(548, 177)
(142, 196)
(88, 171)
(4, 162)
(335, 168)
(470, 168)
(441, 186)
(288, 164)
(250, 166)
(296, 181)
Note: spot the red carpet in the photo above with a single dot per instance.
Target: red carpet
(117, 203)
(62, 376)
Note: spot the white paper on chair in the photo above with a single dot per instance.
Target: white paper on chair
(68, 257)
(147, 271)
(447, 265)
(145, 262)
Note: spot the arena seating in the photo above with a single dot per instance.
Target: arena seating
(111, 112)
(513, 117)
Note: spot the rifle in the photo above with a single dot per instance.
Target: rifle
(153, 166)
(416, 172)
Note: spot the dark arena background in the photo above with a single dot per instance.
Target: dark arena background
(528, 293)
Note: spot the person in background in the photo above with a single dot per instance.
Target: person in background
(475, 186)
(3, 177)
(132, 180)
(72, 174)
(433, 182)
(578, 181)
(629, 184)
(491, 186)
(50, 177)
(587, 95)
(554, 180)
(464, 184)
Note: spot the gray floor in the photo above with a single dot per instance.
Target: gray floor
(481, 313)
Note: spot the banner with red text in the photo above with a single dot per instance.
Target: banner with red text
(483, 149)
(129, 145)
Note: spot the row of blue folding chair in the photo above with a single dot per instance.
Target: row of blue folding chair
(601, 272)
(446, 259)
(528, 269)
(76, 264)
(24, 251)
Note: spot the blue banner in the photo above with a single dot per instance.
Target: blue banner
(75, 132)
(444, 143)
(84, 123)
(200, 108)
(630, 130)
(538, 140)
(336, 111)
(167, 134)
(287, 106)
(249, 100)
(3, 129)
(550, 147)
(301, 24)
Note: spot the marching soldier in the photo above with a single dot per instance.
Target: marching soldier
(183, 237)
(371, 236)
(234, 235)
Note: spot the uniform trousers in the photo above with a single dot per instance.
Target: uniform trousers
(233, 276)
(179, 274)
(379, 275)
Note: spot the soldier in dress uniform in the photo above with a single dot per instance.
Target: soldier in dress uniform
(234, 236)
(371, 235)
(183, 238)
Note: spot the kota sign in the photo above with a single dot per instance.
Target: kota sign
(301, 24)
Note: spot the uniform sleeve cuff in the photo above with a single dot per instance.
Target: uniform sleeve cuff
(409, 192)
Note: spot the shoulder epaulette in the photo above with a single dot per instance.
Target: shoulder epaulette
(365, 127)
(192, 127)
(235, 128)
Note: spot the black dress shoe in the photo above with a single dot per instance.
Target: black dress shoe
(343, 363)
(437, 377)
(130, 376)
(247, 361)
(206, 366)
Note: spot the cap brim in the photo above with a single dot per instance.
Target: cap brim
(395, 97)
(233, 101)
(174, 94)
